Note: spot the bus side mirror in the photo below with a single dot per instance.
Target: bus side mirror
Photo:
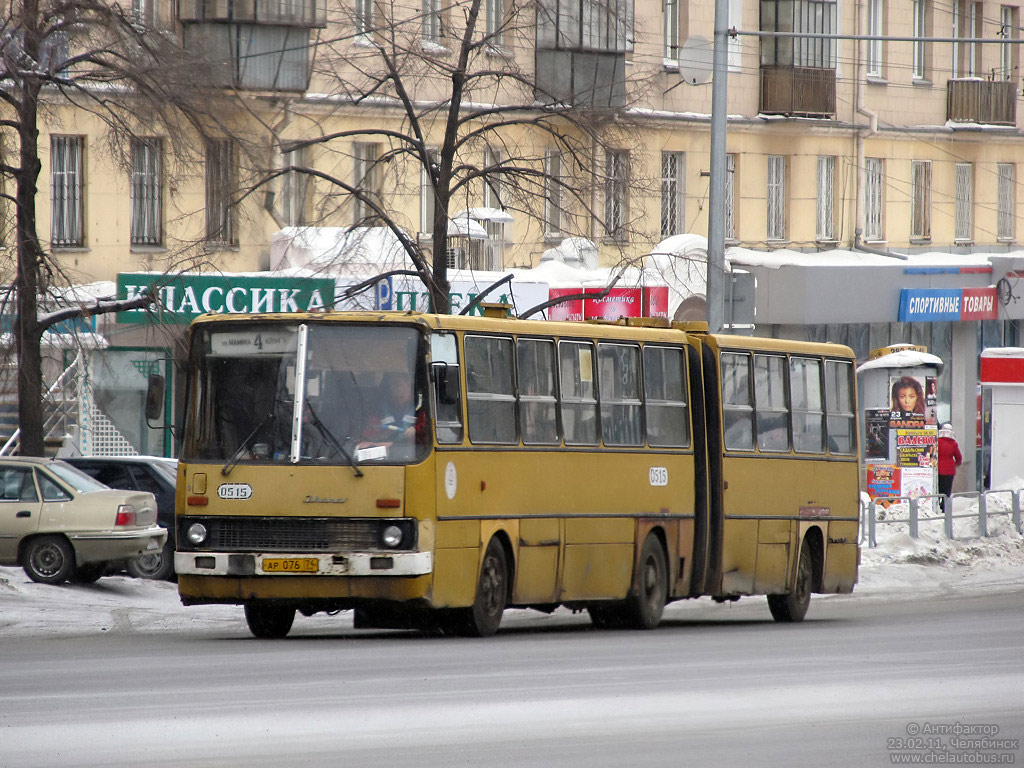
(446, 382)
(155, 390)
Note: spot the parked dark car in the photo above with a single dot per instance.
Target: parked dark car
(141, 473)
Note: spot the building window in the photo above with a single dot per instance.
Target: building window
(493, 193)
(920, 49)
(876, 17)
(826, 228)
(495, 22)
(1009, 52)
(220, 188)
(1007, 201)
(427, 195)
(552, 194)
(432, 21)
(920, 200)
(873, 198)
(673, 165)
(673, 30)
(294, 186)
(364, 19)
(730, 197)
(144, 12)
(776, 197)
(66, 179)
(963, 214)
(967, 24)
(366, 175)
(146, 192)
(800, 16)
(616, 186)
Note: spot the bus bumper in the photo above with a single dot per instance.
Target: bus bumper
(348, 564)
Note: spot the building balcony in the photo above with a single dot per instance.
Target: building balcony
(586, 79)
(798, 91)
(298, 13)
(988, 102)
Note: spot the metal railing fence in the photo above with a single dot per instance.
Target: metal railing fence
(929, 508)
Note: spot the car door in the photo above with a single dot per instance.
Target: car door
(20, 509)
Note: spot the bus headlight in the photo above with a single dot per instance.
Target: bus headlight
(196, 533)
(391, 536)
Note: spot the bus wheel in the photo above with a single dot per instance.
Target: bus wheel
(793, 606)
(268, 621)
(483, 618)
(646, 601)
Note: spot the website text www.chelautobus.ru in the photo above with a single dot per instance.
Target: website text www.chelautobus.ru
(952, 744)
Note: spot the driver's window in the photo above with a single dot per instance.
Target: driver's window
(444, 361)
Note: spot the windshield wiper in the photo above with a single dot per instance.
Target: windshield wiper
(226, 469)
(322, 428)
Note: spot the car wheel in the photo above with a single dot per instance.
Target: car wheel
(49, 560)
(153, 565)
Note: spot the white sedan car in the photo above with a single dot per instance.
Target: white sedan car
(60, 525)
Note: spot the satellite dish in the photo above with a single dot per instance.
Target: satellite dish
(696, 60)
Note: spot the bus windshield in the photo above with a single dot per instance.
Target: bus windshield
(308, 393)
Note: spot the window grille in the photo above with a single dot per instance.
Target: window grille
(963, 213)
(220, 187)
(730, 200)
(672, 186)
(615, 203)
(776, 197)
(825, 230)
(1007, 183)
(873, 176)
(920, 200)
(66, 175)
(146, 186)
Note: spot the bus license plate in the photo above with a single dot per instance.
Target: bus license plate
(291, 565)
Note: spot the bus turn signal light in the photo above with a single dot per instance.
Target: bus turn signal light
(197, 501)
(389, 503)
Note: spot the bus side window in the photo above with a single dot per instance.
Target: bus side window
(619, 388)
(490, 398)
(444, 355)
(665, 394)
(538, 423)
(737, 404)
(805, 397)
(578, 398)
(839, 406)
(772, 410)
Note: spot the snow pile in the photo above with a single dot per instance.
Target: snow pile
(932, 560)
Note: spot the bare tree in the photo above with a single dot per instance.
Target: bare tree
(452, 93)
(101, 61)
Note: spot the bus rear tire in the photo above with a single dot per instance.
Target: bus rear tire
(792, 607)
(268, 621)
(492, 592)
(646, 602)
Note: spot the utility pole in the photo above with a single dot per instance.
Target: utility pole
(716, 210)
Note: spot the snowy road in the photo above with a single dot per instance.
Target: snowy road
(155, 684)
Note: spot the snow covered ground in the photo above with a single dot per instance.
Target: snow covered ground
(898, 568)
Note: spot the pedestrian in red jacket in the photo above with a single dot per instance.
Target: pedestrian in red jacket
(949, 460)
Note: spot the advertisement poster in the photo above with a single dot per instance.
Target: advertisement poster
(907, 404)
(876, 423)
(883, 480)
(916, 482)
(917, 447)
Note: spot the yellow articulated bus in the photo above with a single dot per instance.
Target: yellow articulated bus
(429, 471)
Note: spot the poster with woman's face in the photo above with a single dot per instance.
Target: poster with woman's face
(913, 401)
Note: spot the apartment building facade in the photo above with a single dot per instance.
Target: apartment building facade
(886, 125)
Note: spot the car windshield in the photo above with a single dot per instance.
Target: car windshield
(75, 477)
(320, 393)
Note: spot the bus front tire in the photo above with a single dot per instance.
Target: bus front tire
(269, 621)
(792, 607)
(484, 616)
